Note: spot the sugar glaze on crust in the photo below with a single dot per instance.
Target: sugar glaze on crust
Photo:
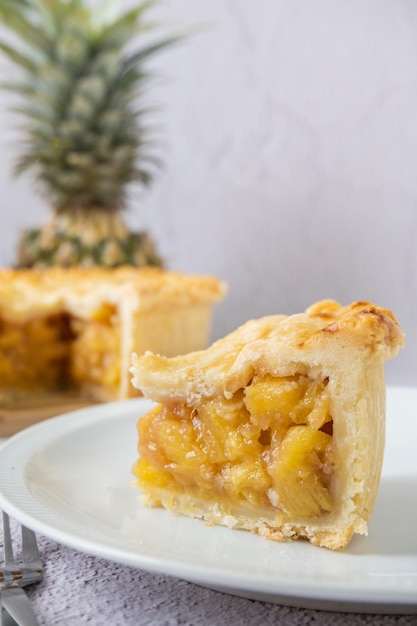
(347, 347)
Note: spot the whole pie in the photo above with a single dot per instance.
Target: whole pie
(76, 329)
(277, 428)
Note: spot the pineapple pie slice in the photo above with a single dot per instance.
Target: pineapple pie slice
(277, 428)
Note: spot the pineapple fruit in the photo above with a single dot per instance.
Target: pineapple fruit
(80, 72)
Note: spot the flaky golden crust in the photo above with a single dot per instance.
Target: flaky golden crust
(346, 345)
(24, 291)
(269, 344)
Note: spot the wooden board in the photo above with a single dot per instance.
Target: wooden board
(14, 417)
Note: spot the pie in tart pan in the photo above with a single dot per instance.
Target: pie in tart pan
(67, 335)
(278, 428)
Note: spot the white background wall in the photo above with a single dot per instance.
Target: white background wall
(289, 134)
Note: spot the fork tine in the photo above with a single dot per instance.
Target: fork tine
(30, 550)
(7, 538)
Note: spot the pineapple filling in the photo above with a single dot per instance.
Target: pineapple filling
(34, 353)
(94, 359)
(270, 445)
(60, 352)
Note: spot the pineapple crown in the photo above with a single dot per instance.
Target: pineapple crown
(81, 76)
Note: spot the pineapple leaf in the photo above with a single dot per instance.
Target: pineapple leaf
(124, 28)
(35, 111)
(139, 56)
(14, 5)
(18, 58)
(28, 31)
(55, 14)
(125, 83)
(24, 163)
(20, 88)
(85, 138)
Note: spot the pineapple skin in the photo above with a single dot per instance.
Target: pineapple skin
(66, 242)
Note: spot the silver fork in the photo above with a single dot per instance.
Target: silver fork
(14, 576)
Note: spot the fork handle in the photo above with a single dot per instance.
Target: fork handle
(7, 619)
(18, 605)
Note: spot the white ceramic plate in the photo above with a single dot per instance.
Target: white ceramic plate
(69, 479)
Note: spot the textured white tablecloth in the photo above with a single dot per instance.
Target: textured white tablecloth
(80, 589)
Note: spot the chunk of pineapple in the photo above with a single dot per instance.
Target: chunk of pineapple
(147, 473)
(299, 472)
(33, 353)
(94, 352)
(270, 400)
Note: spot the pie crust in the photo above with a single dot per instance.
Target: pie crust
(277, 428)
(76, 329)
